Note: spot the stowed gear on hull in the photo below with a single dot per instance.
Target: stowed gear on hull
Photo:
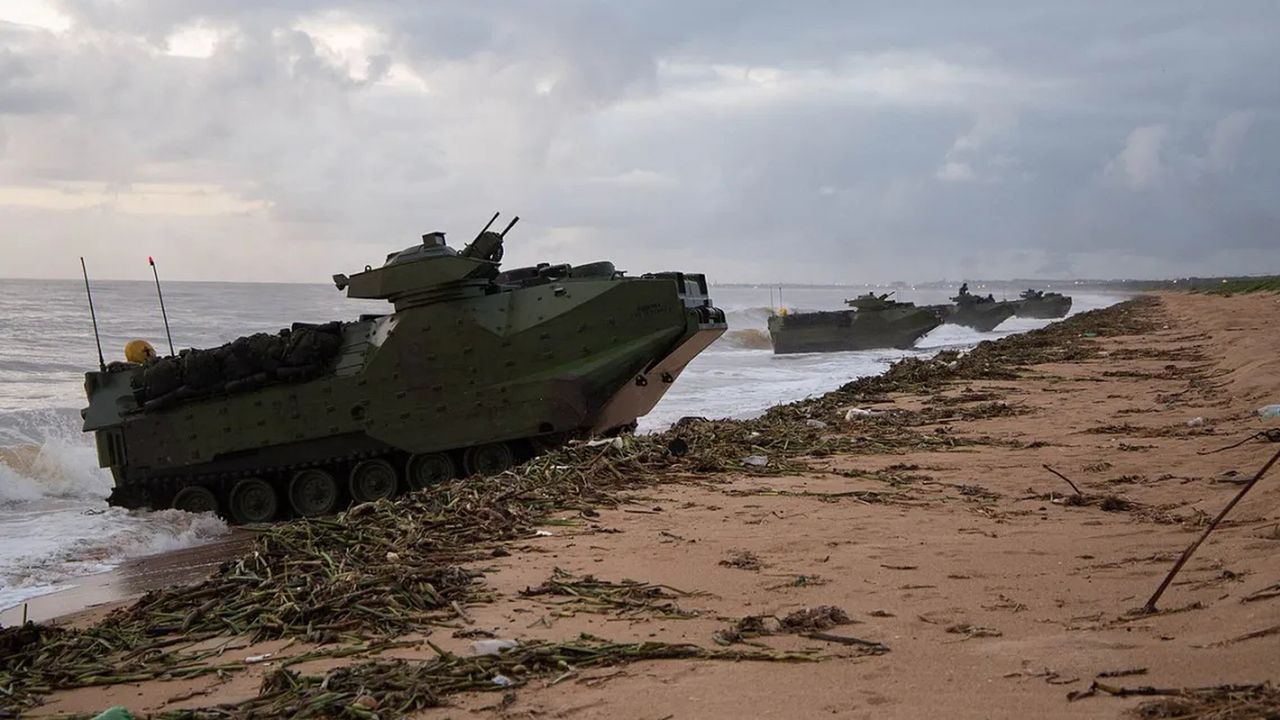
(473, 371)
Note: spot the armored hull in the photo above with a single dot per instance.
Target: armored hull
(1047, 306)
(981, 316)
(473, 371)
(896, 327)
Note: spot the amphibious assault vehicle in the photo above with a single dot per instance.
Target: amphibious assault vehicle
(974, 311)
(1044, 305)
(473, 370)
(874, 321)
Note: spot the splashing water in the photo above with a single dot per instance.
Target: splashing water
(54, 521)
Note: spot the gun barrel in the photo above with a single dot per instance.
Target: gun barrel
(510, 225)
(486, 226)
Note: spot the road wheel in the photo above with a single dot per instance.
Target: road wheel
(373, 480)
(430, 469)
(488, 459)
(253, 501)
(313, 492)
(195, 499)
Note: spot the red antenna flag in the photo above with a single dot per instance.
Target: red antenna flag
(150, 261)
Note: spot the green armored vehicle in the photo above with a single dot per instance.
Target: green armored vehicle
(974, 311)
(472, 370)
(1043, 305)
(874, 321)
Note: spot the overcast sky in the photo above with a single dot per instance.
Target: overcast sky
(754, 141)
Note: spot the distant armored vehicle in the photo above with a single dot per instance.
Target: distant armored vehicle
(974, 311)
(1039, 304)
(473, 370)
(874, 321)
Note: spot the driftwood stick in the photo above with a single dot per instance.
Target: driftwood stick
(1064, 477)
(847, 640)
(1150, 607)
(1270, 434)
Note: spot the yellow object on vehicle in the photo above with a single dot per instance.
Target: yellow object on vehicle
(138, 351)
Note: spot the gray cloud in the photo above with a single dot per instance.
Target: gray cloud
(757, 141)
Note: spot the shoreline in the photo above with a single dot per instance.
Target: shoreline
(979, 587)
(125, 583)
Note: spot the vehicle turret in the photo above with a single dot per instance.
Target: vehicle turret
(430, 272)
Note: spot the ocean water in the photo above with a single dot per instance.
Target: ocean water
(55, 525)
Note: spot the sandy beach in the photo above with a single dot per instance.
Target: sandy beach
(947, 572)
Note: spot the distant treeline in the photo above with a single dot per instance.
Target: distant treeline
(1214, 285)
(1218, 285)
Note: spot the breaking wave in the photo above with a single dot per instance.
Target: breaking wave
(750, 317)
(749, 339)
(55, 524)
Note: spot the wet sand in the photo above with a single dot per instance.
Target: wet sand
(995, 595)
(95, 593)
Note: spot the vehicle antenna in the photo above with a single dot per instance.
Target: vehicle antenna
(486, 226)
(151, 261)
(510, 225)
(772, 306)
(102, 364)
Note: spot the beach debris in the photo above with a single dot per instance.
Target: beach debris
(756, 460)
(1219, 702)
(397, 688)
(973, 631)
(625, 598)
(1150, 606)
(1266, 593)
(815, 424)
(866, 647)
(492, 647)
(807, 622)
(1065, 478)
(1270, 435)
(1196, 421)
(678, 447)
(119, 712)
(1127, 672)
(854, 413)
(743, 560)
(822, 617)
(1269, 411)
(255, 659)
(751, 626)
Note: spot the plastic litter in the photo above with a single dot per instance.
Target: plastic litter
(502, 681)
(817, 424)
(756, 460)
(852, 413)
(492, 647)
(1269, 411)
(1196, 421)
(119, 712)
(255, 659)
